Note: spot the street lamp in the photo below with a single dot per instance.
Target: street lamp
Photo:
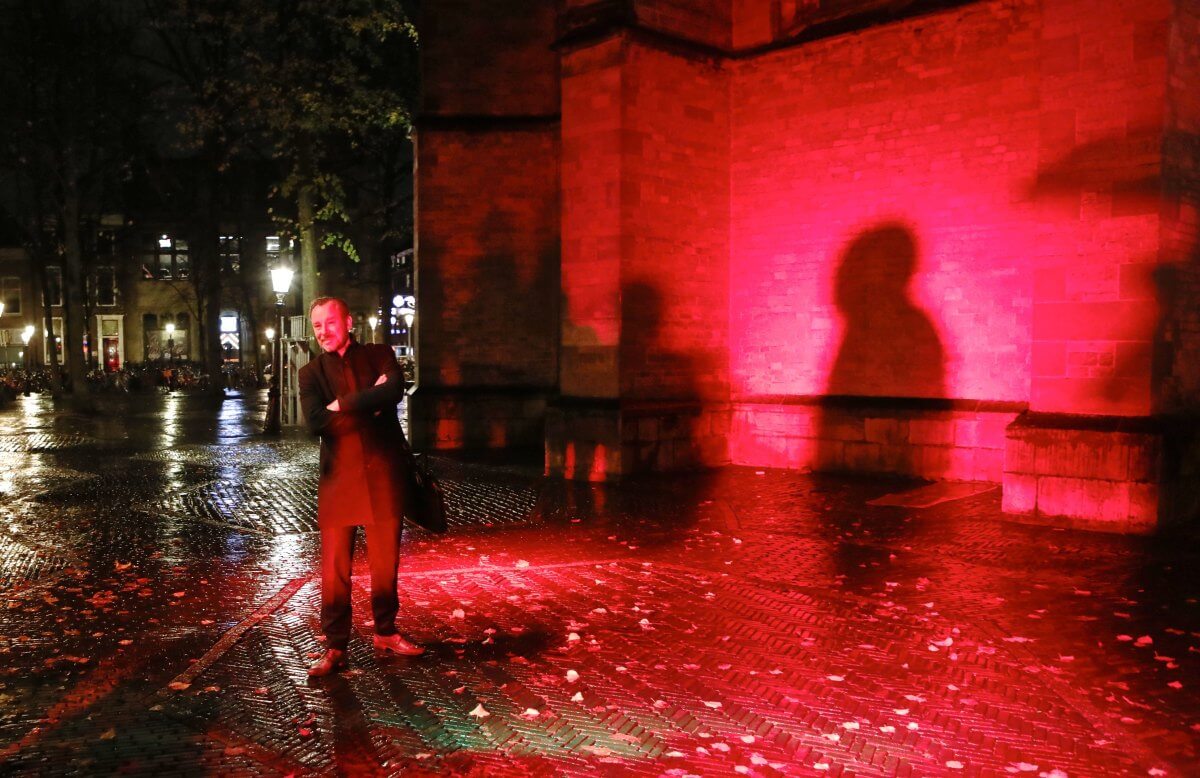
(372, 320)
(270, 333)
(281, 282)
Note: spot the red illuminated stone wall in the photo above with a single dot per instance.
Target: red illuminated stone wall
(945, 239)
(882, 231)
(644, 268)
(487, 224)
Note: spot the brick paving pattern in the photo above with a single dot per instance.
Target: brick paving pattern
(159, 609)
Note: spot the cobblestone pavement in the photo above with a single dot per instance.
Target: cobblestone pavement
(159, 609)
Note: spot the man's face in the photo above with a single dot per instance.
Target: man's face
(331, 326)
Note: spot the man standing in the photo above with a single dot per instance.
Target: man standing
(349, 395)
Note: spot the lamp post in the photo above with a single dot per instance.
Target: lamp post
(372, 320)
(281, 282)
(26, 334)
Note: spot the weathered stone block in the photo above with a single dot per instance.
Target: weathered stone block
(931, 432)
(1019, 493)
(1104, 502)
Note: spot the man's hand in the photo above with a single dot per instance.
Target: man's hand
(381, 380)
(333, 406)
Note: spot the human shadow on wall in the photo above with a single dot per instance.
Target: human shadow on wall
(889, 346)
(889, 349)
(1116, 176)
(505, 344)
(663, 435)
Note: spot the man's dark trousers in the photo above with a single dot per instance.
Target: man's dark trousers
(337, 547)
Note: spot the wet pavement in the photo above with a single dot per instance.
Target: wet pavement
(158, 609)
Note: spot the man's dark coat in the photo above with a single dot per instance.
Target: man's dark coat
(363, 464)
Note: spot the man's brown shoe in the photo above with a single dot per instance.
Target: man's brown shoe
(332, 661)
(396, 645)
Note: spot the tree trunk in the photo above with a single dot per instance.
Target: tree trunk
(308, 250)
(73, 287)
(207, 256)
(47, 336)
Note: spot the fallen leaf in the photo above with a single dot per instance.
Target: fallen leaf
(479, 712)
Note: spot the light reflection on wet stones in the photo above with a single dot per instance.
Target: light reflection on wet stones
(724, 620)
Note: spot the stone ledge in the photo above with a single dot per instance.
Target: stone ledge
(1107, 473)
(924, 437)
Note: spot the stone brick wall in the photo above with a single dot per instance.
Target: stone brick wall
(591, 219)
(488, 221)
(488, 58)
(962, 441)
(487, 224)
(857, 236)
(1103, 475)
(1102, 81)
(1178, 279)
(675, 227)
(698, 20)
(881, 230)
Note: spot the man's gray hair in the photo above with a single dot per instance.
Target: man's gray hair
(341, 304)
